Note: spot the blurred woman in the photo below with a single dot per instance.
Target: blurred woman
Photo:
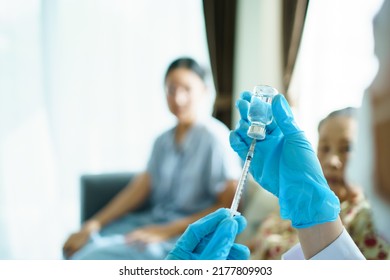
(191, 172)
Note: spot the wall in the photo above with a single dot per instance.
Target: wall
(258, 57)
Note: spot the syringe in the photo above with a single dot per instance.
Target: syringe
(259, 116)
(241, 182)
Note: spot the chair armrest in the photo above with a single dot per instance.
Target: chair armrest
(98, 189)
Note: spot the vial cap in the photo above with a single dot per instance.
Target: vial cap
(257, 132)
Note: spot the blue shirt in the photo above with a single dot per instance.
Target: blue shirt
(187, 177)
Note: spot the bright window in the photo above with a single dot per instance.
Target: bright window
(81, 91)
(336, 60)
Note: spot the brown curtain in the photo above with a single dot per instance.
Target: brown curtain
(220, 20)
(294, 14)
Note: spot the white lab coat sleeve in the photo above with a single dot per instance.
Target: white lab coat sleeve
(343, 248)
(295, 253)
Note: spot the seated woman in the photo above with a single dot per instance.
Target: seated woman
(192, 171)
(336, 132)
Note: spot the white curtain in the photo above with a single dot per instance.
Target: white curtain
(81, 91)
(336, 59)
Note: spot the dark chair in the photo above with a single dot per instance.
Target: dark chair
(98, 189)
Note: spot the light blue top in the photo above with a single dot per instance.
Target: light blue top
(187, 177)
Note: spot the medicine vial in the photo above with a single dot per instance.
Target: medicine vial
(260, 111)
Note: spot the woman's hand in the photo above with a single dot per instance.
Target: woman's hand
(151, 233)
(75, 242)
(80, 238)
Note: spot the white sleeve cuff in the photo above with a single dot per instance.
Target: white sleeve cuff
(295, 253)
(343, 248)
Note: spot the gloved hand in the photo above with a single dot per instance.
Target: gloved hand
(211, 238)
(285, 164)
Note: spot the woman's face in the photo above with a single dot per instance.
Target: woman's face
(334, 145)
(185, 91)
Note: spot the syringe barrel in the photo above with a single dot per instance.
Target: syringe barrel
(242, 181)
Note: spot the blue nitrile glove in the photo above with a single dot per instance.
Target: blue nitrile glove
(285, 164)
(211, 238)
